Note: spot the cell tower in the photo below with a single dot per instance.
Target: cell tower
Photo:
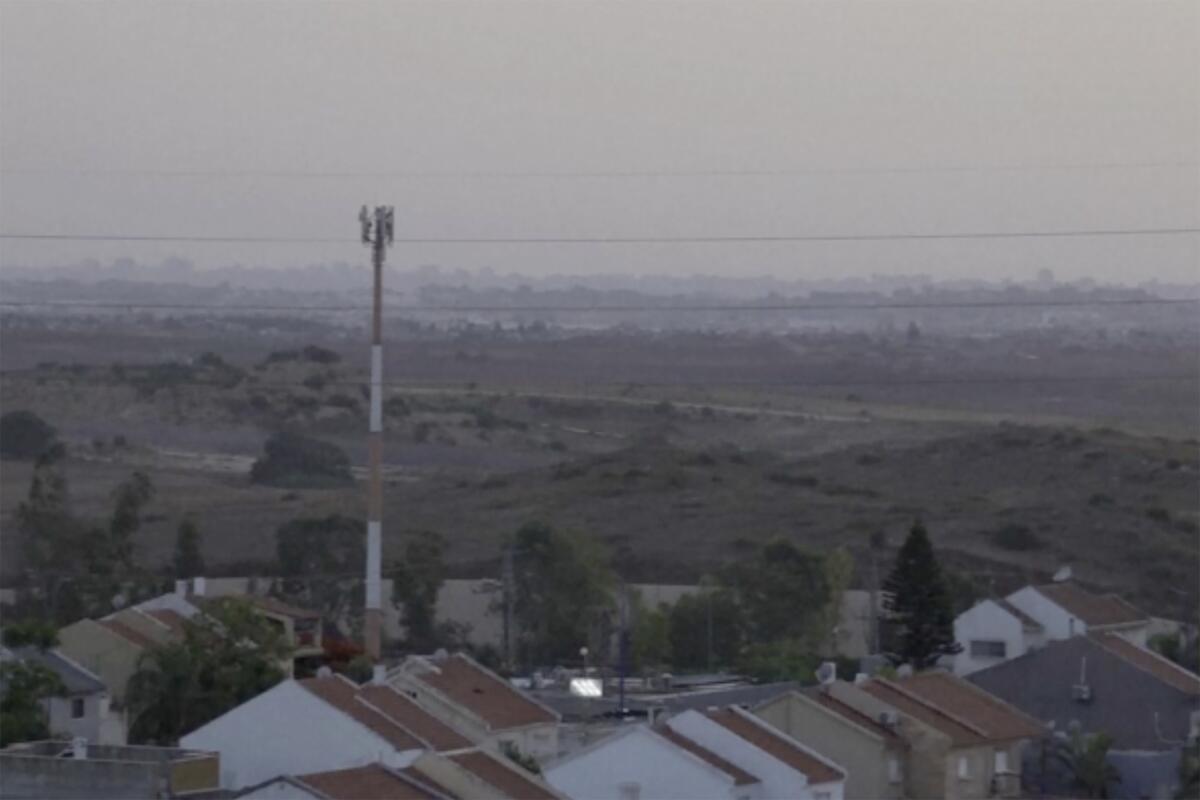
(378, 232)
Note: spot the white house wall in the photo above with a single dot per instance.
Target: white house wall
(288, 731)
(986, 621)
(778, 780)
(1054, 619)
(279, 790)
(659, 769)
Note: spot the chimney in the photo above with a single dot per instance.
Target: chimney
(861, 678)
(181, 588)
(904, 671)
(199, 586)
(79, 748)
(379, 675)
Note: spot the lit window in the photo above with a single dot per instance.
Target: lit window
(894, 770)
(77, 708)
(1001, 761)
(981, 648)
(964, 768)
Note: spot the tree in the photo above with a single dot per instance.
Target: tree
(782, 592)
(227, 655)
(702, 625)
(321, 560)
(415, 586)
(1085, 757)
(320, 545)
(562, 592)
(26, 685)
(783, 660)
(189, 562)
(31, 633)
(918, 602)
(651, 634)
(129, 499)
(24, 435)
(839, 569)
(295, 461)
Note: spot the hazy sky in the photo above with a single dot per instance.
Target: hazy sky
(884, 117)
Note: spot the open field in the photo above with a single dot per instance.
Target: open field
(678, 451)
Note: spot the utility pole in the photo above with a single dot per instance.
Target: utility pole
(378, 233)
(509, 591)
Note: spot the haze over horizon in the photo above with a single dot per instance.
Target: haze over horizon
(581, 119)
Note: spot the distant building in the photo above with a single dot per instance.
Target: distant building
(1149, 705)
(465, 694)
(873, 754)
(57, 770)
(995, 630)
(110, 647)
(84, 710)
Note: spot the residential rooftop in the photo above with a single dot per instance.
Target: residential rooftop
(739, 775)
(372, 782)
(1095, 610)
(776, 744)
(965, 713)
(486, 694)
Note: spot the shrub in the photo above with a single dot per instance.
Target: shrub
(319, 355)
(1016, 537)
(291, 459)
(1158, 514)
(25, 435)
(788, 479)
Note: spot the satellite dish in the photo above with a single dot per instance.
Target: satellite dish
(826, 673)
(1063, 574)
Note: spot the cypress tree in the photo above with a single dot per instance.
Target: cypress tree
(188, 561)
(919, 604)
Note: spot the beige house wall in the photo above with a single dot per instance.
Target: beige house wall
(457, 780)
(111, 657)
(863, 755)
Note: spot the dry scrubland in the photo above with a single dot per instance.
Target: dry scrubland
(678, 451)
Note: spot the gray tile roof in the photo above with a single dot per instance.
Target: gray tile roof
(1134, 706)
(75, 678)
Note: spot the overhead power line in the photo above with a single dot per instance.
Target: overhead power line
(617, 240)
(610, 308)
(400, 387)
(601, 174)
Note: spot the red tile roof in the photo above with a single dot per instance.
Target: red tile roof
(739, 775)
(281, 608)
(776, 744)
(129, 634)
(511, 780)
(372, 782)
(857, 717)
(1094, 609)
(414, 719)
(961, 710)
(172, 619)
(490, 697)
(343, 695)
(1164, 669)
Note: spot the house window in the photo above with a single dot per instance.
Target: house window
(77, 708)
(1001, 762)
(984, 648)
(964, 768)
(893, 770)
(630, 791)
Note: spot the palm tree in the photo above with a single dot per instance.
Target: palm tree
(1085, 756)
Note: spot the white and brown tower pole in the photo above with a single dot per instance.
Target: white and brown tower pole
(378, 233)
